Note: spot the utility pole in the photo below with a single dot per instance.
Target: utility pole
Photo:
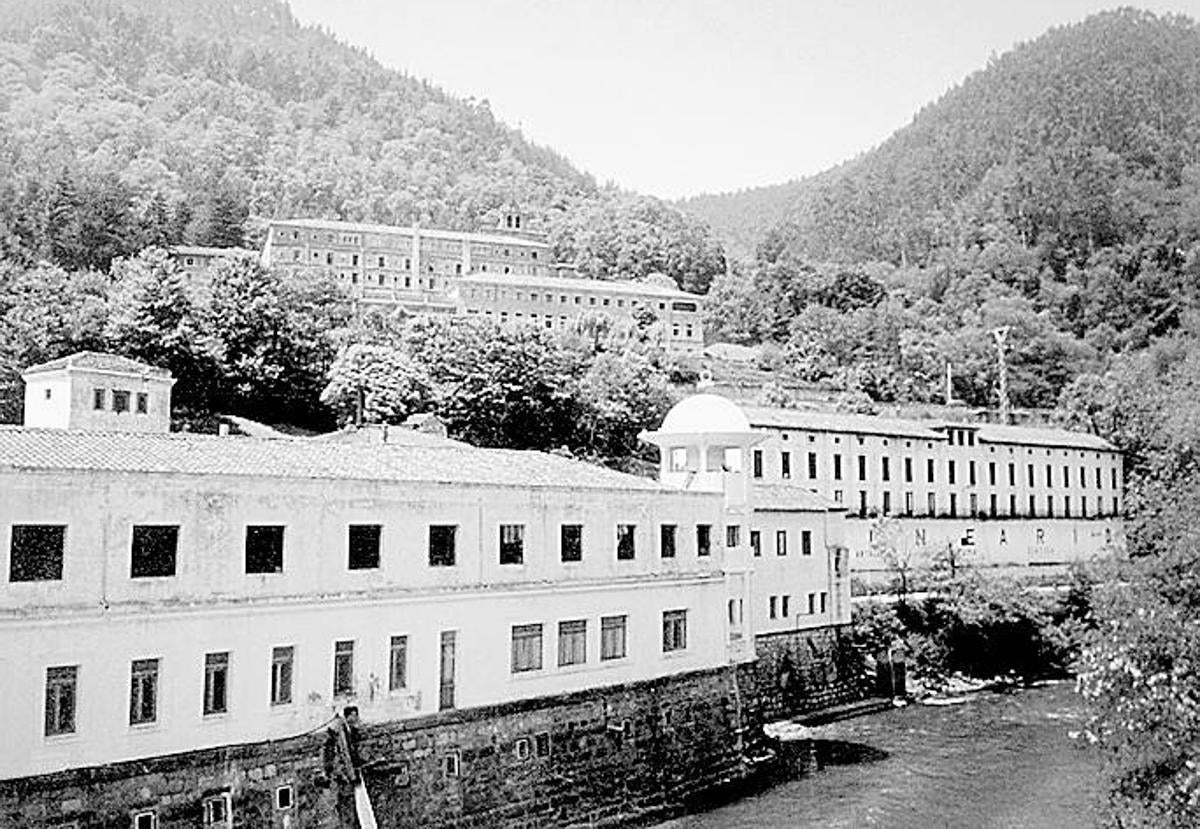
(1001, 335)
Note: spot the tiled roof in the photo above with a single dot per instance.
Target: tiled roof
(783, 498)
(1036, 436)
(200, 250)
(190, 454)
(576, 283)
(367, 227)
(373, 435)
(98, 360)
(761, 416)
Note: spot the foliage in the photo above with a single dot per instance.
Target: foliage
(376, 384)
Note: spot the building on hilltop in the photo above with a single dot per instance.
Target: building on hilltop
(192, 612)
(506, 272)
(92, 391)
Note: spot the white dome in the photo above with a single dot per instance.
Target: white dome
(704, 413)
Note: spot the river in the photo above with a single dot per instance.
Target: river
(1000, 760)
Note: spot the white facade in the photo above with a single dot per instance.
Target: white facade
(97, 392)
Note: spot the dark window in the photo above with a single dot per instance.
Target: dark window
(806, 542)
(733, 535)
(929, 470)
(364, 546)
(992, 506)
(343, 668)
(812, 464)
(1049, 475)
(781, 542)
(612, 636)
(143, 691)
(974, 509)
(932, 505)
(667, 540)
(61, 697)
(398, 664)
(758, 463)
(886, 468)
(785, 464)
(441, 545)
(283, 660)
(953, 505)
(526, 648)
(625, 541)
(153, 551)
(991, 473)
(756, 542)
(703, 539)
(971, 473)
(1012, 505)
(674, 630)
(571, 542)
(264, 549)
(512, 543)
(216, 683)
(887, 503)
(1030, 471)
(908, 503)
(1012, 474)
(541, 744)
(908, 470)
(862, 504)
(143, 402)
(120, 401)
(812, 603)
(783, 605)
(36, 552)
(950, 471)
(837, 467)
(862, 467)
(572, 642)
(772, 607)
(1032, 506)
(98, 399)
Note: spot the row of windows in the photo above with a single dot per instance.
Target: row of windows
(885, 471)
(781, 542)
(36, 550)
(1051, 507)
(527, 650)
(120, 400)
(779, 607)
(63, 681)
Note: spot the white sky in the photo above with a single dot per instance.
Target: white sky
(678, 97)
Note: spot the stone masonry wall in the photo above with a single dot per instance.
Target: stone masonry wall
(799, 671)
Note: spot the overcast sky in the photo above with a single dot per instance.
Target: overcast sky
(678, 97)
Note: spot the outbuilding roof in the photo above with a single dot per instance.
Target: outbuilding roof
(784, 498)
(761, 416)
(1037, 436)
(576, 283)
(100, 361)
(190, 454)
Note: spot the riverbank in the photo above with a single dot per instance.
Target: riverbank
(999, 760)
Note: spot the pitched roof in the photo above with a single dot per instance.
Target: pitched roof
(576, 283)
(191, 454)
(1037, 436)
(98, 360)
(839, 422)
(784, 498)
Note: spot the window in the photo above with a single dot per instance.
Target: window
(120, 401)
(886, 468)
(61, 696)
(572, 642)
(625, 541)
(1049, 506)
(785, 465)
(512, 543)
(364, 546)
(1066, 506)
(887, 503)
(908, 503)
(837, 467)
(1029, 470)
(153, 551)
(929, 468)
(343, 668)
(216, 683)
(398, 663)
(862, 503)
(991, 473)
(862, 467)
(931, 507)
(143, 692)
(283, 660)
(703, 539)
(264, 549)
(521, 748)
(145, 820)
(950, 471)
(666, 545)
(758, 463)
(1049, 475)
(451, 764)
(541, 744)
(571, 542)
(908, 470)
(806, 542)
(674, 630)
(733, 535)
(824, 601)
(992, 505)
(36, 552)
(812, 603)
(1012, 505)
(756, 542)
(1012, 474)
(446, 670)
(974, 508)
(1083, 477)
(783, 606)
(781, 542)
(953, 505)
(98, 397)
(526, 648)
(283, 798)
(772, 607)
(612, 636)
(441, 545)
(218, 810)
(812, 464)
(1032, 507)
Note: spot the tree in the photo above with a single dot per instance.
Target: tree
(621, 394)
(376, 384)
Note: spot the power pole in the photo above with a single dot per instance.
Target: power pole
(1001, 335)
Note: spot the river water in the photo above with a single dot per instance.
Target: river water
(1000, 760)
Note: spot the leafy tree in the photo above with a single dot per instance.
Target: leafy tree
(621, 394)
(376, 384)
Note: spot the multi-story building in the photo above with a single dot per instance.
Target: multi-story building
(506, 272)
(998, 495)
(185, 611)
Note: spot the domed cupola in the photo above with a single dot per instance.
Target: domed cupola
(702, 441)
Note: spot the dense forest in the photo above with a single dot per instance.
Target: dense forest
(1055, 193)
(125, 123)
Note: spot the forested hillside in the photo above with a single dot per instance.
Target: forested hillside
(132, 122)
(1055, 193)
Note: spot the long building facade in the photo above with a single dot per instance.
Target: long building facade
(187, 619)
(507, 273)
